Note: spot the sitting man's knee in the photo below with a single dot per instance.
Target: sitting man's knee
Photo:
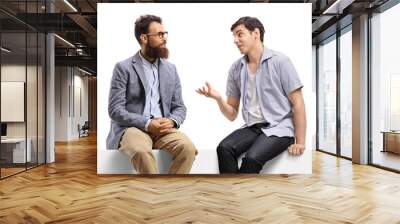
(132, 131)
(250, 165)
(251, 159)
(223, 148)
(142, 151)
(188, 147)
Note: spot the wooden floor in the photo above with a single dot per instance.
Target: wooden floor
(387, 159)
(5, 172)
(70, 191)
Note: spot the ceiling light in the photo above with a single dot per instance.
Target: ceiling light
(70, 5)
(64, 40)
(84, 71)
(5, 50)
(337, 7)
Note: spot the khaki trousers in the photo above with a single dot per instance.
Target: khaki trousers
(138, 145)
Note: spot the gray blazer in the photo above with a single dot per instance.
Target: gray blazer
(128, 96)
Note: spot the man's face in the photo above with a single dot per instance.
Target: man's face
(155, 41)
(244, 38)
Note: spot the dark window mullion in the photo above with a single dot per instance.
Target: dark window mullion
(338, 98)
(26, 87)
(317, 95)
(37, 91)
(0, 100)
(369, 89)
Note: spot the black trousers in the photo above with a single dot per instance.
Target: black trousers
(258, 148)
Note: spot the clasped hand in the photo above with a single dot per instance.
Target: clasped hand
(160, 126)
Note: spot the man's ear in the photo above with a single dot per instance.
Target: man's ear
(257, 31)
(143, 39)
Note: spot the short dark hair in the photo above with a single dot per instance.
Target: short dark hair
(251, 23)
(142, 25)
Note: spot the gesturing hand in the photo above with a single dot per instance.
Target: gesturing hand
(208, 91)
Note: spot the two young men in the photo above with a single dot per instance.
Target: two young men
(146, 107)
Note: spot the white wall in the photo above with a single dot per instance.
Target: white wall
(68, 81)
(61, 103)
(33, 127)
(12, 101)
(80, 84)
(16, 73)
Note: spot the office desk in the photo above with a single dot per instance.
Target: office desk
(13, 150)
(391, 141)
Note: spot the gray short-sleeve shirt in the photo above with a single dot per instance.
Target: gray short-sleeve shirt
(276, 80)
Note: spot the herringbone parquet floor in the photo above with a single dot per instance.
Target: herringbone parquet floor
(70, 191)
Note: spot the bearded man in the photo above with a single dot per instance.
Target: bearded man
(146, 106)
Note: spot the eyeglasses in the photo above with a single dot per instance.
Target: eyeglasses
(159, 34)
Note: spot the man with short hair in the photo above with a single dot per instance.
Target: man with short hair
(146, 106)
(273, 106)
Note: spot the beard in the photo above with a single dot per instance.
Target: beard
(157, 52)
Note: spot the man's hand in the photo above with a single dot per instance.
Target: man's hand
(208, 91)
(160, 126)
(296, 149)
(166, 125)
(228, 108)
(299, 122)
(154, 127)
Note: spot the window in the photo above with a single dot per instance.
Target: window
(385, 89)
(346, 75)
(327, 96)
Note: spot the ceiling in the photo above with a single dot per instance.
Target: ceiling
(76, 22)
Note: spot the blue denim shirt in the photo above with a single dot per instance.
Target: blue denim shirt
(275, 81)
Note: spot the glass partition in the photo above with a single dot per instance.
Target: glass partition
(22, 77)
(327, 96)
(385, 89)
(346, 93)
(14, 154)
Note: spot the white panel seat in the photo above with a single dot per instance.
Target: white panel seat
(206, 162)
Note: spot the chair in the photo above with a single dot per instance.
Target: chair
(84, 130)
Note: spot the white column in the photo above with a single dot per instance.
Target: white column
(50, 92)
(360, 90)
